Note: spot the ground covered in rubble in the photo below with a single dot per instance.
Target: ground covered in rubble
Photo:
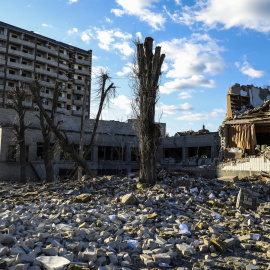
(116, 223)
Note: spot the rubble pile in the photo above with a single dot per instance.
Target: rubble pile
(118, 223)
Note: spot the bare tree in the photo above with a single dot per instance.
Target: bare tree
(65, 144)
(48, 150)
(17, 96)
(147, 71)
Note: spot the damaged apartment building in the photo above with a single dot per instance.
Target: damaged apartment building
(245, 132)
(24, 56)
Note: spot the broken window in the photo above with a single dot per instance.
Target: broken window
(40, 146)
(135, 155)
(175, 153)
(12, 150)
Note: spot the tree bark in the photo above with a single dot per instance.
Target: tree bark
(149, 70)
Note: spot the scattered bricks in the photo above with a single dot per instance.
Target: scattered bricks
(203, 248)
(145, 257)
(161, 258)
(129, 199)
(3, 264)
(245, 245)
(83, 198)
(207, 242)
(230, 242)
(246, 199)
(210, 263)
(160, 240)
(252, 267)
(219, 244)
(87, 256)
(245, 237)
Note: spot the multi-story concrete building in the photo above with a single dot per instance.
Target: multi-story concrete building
(25, 55)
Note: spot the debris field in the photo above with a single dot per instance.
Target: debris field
(116, 223)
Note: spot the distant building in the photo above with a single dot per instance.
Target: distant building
(25, 55)
(245, 131)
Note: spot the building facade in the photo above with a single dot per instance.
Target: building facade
(25, 55)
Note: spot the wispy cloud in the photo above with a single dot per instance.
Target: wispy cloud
(142, 10)
(110, 39)
(190, 61)
(172, 109)
(72, 1)
(247, 14)
(72, 31)
(46, 25)
(126, 70)
(215, 114)
(248, 70)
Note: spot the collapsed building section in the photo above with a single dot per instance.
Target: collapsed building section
(245, 132)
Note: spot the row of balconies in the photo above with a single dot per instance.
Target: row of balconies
(42, 48)
(21, 54)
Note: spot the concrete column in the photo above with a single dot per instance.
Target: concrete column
(32, 151)
(184, 154)
(128, 154)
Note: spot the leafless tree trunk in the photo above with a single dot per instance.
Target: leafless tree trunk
(103, 95)
(148, 73)
(64, 142)
(48, 151)
(81, 146)
(17, 96)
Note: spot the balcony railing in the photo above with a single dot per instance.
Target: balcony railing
(62, 99)
(22, 42)
(46, 72)
(47, 61)
(3, 37)
(82, 72)
(82, 62)
(77, 113)
(63, 66)
(46, 49)
(64, 56)
(76, 81)
(77, 102)
(78, 92)
(20, 66)
(21, 54)
(63, 78)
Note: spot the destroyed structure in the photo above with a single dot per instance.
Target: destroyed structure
(25, 55)
(190, 148)
(245, 132)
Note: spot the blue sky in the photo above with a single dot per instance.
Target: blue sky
(209, 46)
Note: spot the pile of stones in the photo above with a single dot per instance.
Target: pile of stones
(117, 223)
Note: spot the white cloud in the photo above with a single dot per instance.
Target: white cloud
(72, 31)
(72, 1)
(139, 36)
(172, 109)
(114, 39)
(123, 102)
(126, 70)
(108, 20)
(247, 14)
(94, 57)
(98, 70)
(246, 69)
(86, 36)
(188, 57)
(215, 114)
(185, 94)
(188, 61)
(184, 84)
(141, 9)
(46, 25)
